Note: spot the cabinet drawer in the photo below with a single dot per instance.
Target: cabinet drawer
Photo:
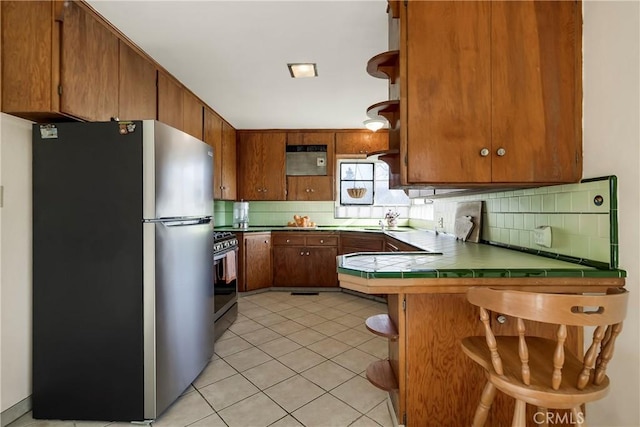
(322, 241)
(286, 239)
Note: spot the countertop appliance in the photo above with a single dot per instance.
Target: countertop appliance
(122, 268)
(241, 214)
(225, 287)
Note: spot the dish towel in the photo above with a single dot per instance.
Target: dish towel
(230, 267)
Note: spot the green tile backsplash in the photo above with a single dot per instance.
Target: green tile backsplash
(581, 228)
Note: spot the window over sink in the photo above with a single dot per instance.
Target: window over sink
(363, 188)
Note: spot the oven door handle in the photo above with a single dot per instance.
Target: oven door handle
(219, 255)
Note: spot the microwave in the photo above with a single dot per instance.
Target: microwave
(306, 160)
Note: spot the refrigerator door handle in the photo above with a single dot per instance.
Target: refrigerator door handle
(187, 222)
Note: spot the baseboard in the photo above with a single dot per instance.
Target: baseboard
(392, 412)
(16, 411)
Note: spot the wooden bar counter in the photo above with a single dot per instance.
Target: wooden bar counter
(430, 381)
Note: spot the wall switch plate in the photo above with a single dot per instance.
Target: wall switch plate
(542, 236)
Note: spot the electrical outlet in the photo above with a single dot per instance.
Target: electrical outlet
(441, 222)
(542, 236)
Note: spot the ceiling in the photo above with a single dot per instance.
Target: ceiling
(234, 55)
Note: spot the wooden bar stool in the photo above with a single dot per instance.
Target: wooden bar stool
(536, 370)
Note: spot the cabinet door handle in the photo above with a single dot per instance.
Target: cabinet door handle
(264, 189)
(307, 190)
(501, 318)
(301, 253)
(307, 253)
(312, 190)
(484, 152)
(501, 152)
(321, 240)
(266, 241)
(288, 240)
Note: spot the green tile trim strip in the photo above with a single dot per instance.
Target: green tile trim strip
(476, 274)
(553, 255)
(613, 218)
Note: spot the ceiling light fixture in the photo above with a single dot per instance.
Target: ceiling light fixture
(306, 69)
(374, 124)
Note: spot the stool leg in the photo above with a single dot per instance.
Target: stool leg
(488, 394)
(520, 414)
(578, 417)
(544, 411)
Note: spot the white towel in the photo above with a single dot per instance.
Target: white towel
(230, 267)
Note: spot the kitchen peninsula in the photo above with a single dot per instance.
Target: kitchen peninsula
(429, 379)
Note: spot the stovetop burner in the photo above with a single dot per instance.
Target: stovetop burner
(223, 241)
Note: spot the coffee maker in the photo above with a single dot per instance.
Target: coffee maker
(241, 214)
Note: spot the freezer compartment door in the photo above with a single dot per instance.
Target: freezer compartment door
(178, 170)
(179, 308)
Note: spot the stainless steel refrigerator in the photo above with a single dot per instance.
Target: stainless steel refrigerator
(122, 268)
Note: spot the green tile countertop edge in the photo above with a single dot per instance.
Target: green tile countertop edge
(451, 258)
(482, 273)
(329, 228)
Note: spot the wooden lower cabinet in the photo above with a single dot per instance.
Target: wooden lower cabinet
(255, 267)
(354, 241)
(430, 380)
(306, 259)
(394, 245)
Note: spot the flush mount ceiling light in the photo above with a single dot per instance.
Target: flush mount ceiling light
(374, 124)
(302, 69)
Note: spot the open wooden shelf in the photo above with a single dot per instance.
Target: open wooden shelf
(390, 110)
(382, 325)
(384, 65)
(380, 374)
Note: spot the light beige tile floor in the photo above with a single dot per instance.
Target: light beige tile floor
(289, 360)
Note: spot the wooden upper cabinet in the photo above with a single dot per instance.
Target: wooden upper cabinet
(361, 143)
(536, 91)
(213, 137)
(170, 101)
(491, 92)
(229, 169)
(28, 88)
(310, 188)
(58, 60)
(193, 110)
(313, 187)
(261, 165)
(137, 95)
(222, 137)
(448, 92)
(89, 66)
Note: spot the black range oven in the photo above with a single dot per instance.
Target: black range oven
(225, 286)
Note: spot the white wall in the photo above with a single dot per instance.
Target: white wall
(611, 141)
(15, 261)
